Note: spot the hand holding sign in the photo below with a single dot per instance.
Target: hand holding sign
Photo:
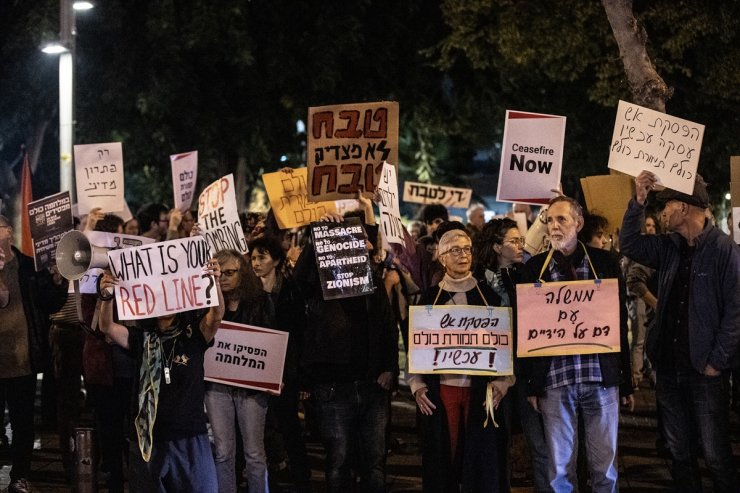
(644, 183)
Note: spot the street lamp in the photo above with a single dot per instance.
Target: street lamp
(65, 48)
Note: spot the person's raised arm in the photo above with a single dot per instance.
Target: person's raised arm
(115, 331)
(209, 324)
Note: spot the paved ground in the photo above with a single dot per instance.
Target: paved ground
(640, 468)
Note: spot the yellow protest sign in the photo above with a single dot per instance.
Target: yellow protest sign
(571, 317)
(289, 199)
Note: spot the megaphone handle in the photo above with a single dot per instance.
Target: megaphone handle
(78, 303)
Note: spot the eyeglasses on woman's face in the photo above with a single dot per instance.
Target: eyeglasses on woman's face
(457, 251)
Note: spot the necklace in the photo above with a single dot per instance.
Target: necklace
(168, 361)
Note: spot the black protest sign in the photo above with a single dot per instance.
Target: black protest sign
(342, 258)
(49, 218)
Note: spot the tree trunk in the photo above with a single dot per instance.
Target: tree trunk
(648, 88)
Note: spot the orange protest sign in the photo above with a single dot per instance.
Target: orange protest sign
(572, 317)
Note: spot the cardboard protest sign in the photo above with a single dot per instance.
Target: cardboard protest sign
(342, 259)
(646, 139)
(347, 145)
(162, 278)
(390, 214)
(247, 356)
(111, 241)
(218, 215)
(49, 219)
(99, 177)
(531, 157)
(427, 193)
(608, 195)
(289, 199)
(573, 317)
(465, 339)
(184, 176)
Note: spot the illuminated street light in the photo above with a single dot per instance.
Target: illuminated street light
(54, 49)
(82, 5)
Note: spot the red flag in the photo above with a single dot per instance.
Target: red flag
(26, 198)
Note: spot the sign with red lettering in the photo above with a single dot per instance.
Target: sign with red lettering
(531, 157)
(342, 258)
(111, 241)
(247, 356)
(347, 145)
(162, 278)
(184, 176)
(462, 339)
(218, 215)
(572, 317)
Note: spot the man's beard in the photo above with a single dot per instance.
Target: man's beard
(566, 243)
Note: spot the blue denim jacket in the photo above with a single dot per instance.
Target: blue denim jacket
(714, 301)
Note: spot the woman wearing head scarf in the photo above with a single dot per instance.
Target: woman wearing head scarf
(457, 450)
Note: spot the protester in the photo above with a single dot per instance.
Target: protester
(350, 359)
(131, 227)
(564, 387)
(498, 255)
(27, 297)
(154, 221)
(186, 224)
(171, 451)
(228, 405)
(432, 215)
(458, 451)
(476, 220)
(286, 312)
(695, 342)
(595, 232)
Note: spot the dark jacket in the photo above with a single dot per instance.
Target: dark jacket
(484, 454)
(41, 297)
(714, 300)
(615, 367)
(335, 329)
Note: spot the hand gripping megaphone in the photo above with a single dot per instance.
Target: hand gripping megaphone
(76, 255)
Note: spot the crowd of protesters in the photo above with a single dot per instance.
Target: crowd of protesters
(679, 296)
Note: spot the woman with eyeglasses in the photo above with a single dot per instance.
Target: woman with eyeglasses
(457, 450)
(499, 252)
(225, 404)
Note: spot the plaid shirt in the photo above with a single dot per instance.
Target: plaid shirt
(577, 368)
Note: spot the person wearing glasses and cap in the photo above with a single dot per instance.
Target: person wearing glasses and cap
(457, 449)
(695, 342)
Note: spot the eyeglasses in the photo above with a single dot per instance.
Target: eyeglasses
(457, 251)
(515, 241)
(229, 272)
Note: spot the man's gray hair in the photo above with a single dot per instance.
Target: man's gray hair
(575, 208)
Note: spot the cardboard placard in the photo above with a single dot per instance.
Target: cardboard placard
(163, 278)
(99, 177)
(646, 139)
(218, 215)
(531, 157)
(571, 317)
(289, 199)
(427, 193)
(49, 219)
(111, 241)
(461, 339)
(608, 196)
(247, 356)
(347, 145)
(342, 259)
(390, 213)
(184, 177)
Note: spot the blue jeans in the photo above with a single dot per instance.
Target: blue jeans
(353, 414)
(226, 405)
(176, 466)
(687, 401)
(599, 408)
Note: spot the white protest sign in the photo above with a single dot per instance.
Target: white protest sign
(531, 157)
(162, 279)
(184, 176)
(219, 216)
(572, 317)
(111, 241)
(645, 139)
(99, 177)
(390, 214)
(426, 193)
(246, 356)
(736, 224)
(465, 339)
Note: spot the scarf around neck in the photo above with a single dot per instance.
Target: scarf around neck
(461, 285)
